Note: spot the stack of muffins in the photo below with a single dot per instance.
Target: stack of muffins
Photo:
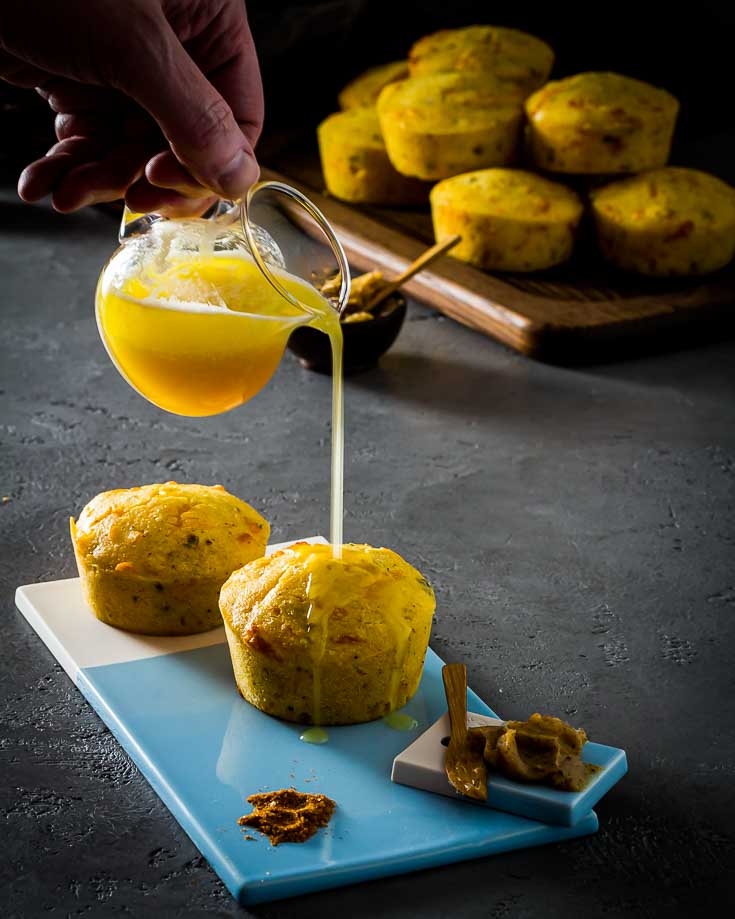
(470, 104)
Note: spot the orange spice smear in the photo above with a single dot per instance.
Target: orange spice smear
(288, 815)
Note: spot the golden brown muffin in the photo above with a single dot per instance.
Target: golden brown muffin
(509, 54)
(365, 89)
(669, 221)
(152, 559)
(600, 123)
(356, 165)
(509, 219)
(446, 123)
(324, 640)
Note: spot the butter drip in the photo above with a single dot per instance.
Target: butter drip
(400, 721)
(315, 735)
(336, 585)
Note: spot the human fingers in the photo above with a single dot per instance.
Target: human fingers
(19, 72)
(234, 73)
(120, 127)
(239, 80)
(107, 179)
(70, 97)
(39, 178)
(145, 198)
(165, 171)
(195, 119)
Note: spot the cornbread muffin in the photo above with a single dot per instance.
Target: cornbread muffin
(323, 640)
(669, 221)
(356, 165)
(512, 56)
(509, 220)
(600, 123)
(152, 559)
(439, 125)
(365, 89)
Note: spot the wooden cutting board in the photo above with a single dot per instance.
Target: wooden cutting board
(577, 312)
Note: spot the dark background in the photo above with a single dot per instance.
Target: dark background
(309, 49)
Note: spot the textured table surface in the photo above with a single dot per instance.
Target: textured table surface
(578, 527)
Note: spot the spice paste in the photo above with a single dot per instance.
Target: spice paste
(288, 815)
(543, 749)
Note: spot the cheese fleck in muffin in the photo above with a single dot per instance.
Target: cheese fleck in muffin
(365, 89)
(446, 123)
(153, 559)
(356, 165)
(509, 219)
(600, 123)
(670, 221)
(509, 54)
(321, 640)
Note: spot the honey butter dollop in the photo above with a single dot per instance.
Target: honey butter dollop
(543, 749)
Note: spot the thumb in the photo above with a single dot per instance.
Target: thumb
(195, 119)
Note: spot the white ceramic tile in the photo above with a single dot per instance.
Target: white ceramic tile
(59, 614)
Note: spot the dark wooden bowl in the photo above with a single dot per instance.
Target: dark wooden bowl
(364, 342)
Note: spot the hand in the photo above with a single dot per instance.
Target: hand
(158, 102)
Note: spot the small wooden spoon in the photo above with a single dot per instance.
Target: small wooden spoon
(423, 261)
(463, 762)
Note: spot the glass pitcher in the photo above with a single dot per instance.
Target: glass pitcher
(195, 313)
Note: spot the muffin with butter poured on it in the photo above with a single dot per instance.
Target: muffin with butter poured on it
(670, 221)
(153, 559)
(508, 219)
(322, 640)
(512, 56)
(600, 123)
(365, 89)
(355, 162)
(442, 124)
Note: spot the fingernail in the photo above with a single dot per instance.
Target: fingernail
(236, 177)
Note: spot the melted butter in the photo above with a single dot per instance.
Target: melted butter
(337, 582)
(329, 324)
(317, 629)
(400, 721)
(315, 735)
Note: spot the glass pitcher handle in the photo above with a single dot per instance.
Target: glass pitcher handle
(250, 230)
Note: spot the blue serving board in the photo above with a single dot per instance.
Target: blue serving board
(173, 705)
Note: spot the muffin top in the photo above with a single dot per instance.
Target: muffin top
(354, 127)
(671, 196)
(169, 531)
(600, 100)
(513, 194)
(365, 601)
(508, 53)
(449, 102)
(365, 89)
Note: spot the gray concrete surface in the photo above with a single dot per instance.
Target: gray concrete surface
(577, 525)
